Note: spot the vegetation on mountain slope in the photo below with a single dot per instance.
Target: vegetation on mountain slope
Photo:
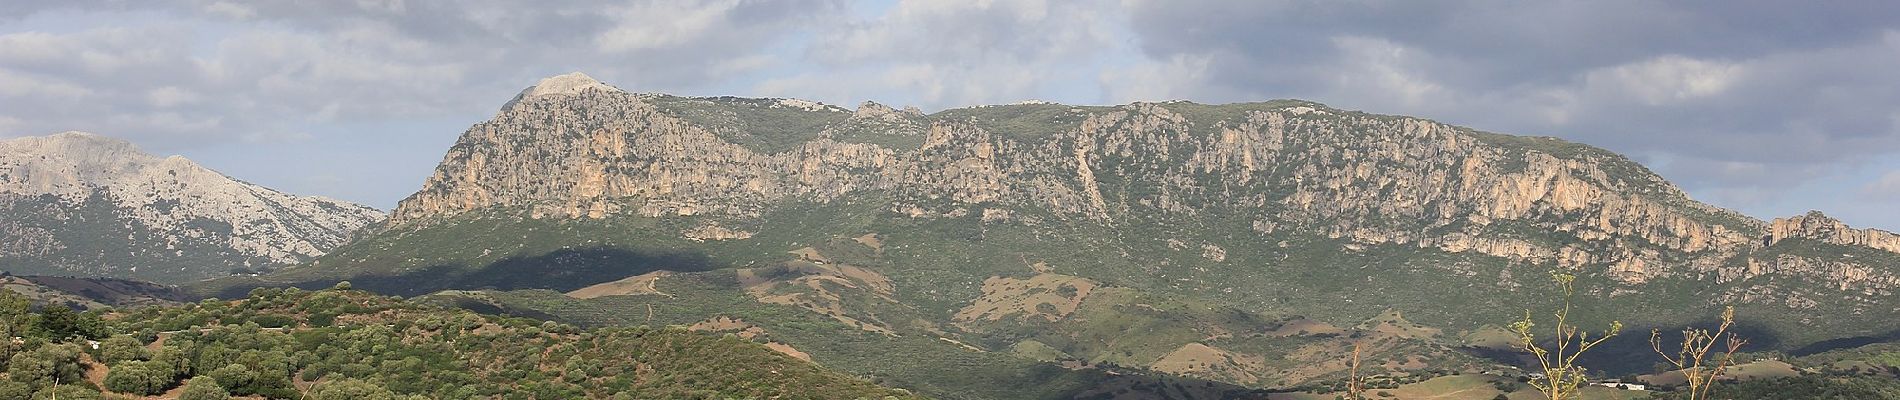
(1048, 245)
(347, 344)
(80, 204)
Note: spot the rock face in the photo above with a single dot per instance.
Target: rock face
(1148, 235)
(1817, 226)
(76, 203)
(571, 147)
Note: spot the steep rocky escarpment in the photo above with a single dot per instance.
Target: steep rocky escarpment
(1228, 242)
(1817, 226)
(574, 148)
(81, 204)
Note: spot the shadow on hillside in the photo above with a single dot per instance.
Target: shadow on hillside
(562, 270)
(1630, 353)
(1844, 343)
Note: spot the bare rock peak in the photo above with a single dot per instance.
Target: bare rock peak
(1818, 226)
(567, 84)
(81, 148)
(158, 204)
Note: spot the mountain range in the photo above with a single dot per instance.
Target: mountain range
(81, 204)
(1030, 250)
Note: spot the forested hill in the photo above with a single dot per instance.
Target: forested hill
(345, 344)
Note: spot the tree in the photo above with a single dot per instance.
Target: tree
(203, 388)
(1562, 376)
(350, 389)
(1691, 358)
(233, 377)
(42, 366)
(139, 377)
(122, 348)
(58, 323)
(16, 314)
(10, 390)
(68, 392)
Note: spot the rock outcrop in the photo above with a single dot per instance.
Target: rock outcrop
(1817, 226)
(76, 203)
(573, 148)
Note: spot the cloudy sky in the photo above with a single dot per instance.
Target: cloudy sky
(1768, 107)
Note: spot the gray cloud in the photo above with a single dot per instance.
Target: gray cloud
(258, 70)
(319, 81)
(1738, 101)
(940, 54)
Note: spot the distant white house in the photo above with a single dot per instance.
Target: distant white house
(1621, 385)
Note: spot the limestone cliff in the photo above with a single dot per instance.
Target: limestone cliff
(1817, 226)
(76, 203)
(571, 147)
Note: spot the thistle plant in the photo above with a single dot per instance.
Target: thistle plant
(1562, 376)
(1355, 385)
(1692, 358)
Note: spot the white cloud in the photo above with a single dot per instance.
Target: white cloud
(1375, 68)
(171, 96)
(945, 54)
(1179, 77)
(26, 88)
(665, 24)
(1885, 188)
(1666, 79)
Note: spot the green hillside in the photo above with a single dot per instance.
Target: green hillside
(1054, 251)
(346, 344)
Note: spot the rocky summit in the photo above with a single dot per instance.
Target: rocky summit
(572, 147)
(76, 203)
(1101, 249)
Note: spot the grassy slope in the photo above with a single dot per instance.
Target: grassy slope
(938, 264)
(447, 353)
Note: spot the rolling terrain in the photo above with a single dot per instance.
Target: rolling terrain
(1043, 250)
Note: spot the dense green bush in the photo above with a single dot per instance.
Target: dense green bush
(377, 347)
(203, 388)
(139, 377)
(122, 348)
(41, 366)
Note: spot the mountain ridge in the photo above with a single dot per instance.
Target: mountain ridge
(58, 187)
(1555, 178)
(1262, 237)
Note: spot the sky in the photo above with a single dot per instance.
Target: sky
(1771, 108)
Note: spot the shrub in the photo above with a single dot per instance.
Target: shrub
(204, 388)
(70, 392)
(350, 389)
(38, 367)
(138, 377)
(122, 348)
(233, 377)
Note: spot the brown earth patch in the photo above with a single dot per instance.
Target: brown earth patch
(1303, 326)
(1393, 324)
(788, 350)
(819, 287)
(1203, 361)
(810, 254)
(634, 285)
(873, 241)
(1027, 298)
(728, 324)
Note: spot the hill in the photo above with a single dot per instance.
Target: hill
(1249, 244)
(342, 344)
(92, 293)
(80, 204)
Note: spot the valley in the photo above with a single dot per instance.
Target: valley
(1250, 245)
